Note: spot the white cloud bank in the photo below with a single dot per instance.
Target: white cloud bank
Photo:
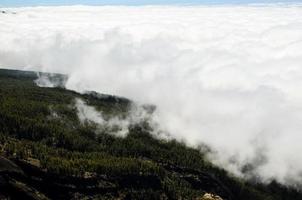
(227, 76)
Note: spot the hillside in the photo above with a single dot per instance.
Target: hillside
(48, 152)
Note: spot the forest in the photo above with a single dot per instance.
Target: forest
(47, 152)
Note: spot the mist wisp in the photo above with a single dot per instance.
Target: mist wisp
(116, 125)
(226, 76)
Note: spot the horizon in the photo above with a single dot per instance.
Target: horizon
(31, 3)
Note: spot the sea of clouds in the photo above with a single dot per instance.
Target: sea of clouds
(226, 76)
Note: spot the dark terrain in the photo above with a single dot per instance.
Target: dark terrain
(55, 156)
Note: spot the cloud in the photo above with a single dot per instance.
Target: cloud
(51, 80)
(117, 125)
(226, 76)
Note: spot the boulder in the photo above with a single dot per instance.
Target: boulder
(209, 196)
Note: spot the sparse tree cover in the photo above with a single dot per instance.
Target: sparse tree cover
(63, 158)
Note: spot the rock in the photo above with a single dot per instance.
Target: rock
(7, 166)
(209, 196)
(3, 182)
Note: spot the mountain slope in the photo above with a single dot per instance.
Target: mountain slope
(57, 155)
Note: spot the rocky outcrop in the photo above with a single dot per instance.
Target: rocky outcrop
(209, 196)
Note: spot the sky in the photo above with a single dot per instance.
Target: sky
(19, 3)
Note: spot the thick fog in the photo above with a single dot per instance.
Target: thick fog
(226, 76)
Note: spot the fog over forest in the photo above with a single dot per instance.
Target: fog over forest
(229, 77)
